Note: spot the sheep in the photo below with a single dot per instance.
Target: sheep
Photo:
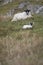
(23, 15)
(30, 26)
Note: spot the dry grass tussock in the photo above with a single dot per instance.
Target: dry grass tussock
(24, 49)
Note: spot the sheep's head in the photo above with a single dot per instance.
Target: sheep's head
(31, 23)
(27, 11)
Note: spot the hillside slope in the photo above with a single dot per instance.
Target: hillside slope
(18, 46)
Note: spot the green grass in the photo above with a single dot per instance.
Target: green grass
(6, 8)
(11, 28)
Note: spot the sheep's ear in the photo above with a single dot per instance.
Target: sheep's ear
(27, 10)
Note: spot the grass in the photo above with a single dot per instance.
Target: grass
(21, 47)
(7, 7)
(18, 46)
(24, 48)
(11, 28)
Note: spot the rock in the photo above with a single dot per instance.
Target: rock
(39, 10)
(33, 8)
(22, 5)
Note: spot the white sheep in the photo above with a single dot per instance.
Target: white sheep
(23, 15)
(29, 26)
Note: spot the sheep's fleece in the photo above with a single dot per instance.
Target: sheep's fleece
(22, 16)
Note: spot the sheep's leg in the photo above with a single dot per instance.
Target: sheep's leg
(14, 19)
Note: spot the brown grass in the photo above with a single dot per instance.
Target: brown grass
(24, 49)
